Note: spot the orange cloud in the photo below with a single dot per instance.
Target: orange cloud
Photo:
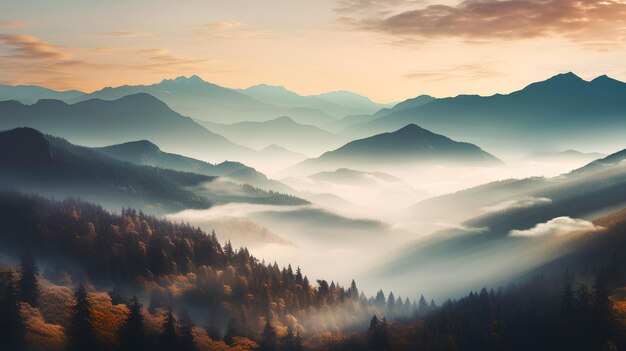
(581, 20)
(29, 47)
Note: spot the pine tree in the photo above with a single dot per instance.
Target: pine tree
(601, 309)
(354, 291)
(298, 276)
(80, 332)
(298, 343)
(236, 327)
(212, 330)
(28, 285)
(169, 337)
(422, 308)
(380, 298)
(567, 317)
(288, 342)
(186, 332)
(268, 338)
(132, 332)
(378, 334)
(11, 322)
(391, 302)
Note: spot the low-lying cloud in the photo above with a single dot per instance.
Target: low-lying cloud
(556, 226)
(463, 228)
(520, 202)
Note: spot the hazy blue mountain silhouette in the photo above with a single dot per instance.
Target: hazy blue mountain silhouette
(144, 152)
(408, 145)
(559, 111)
(406, 105)
(98, 122)
(353, 100)
(29, 94)
(52, 166)
(206, 101)
(336, 104)
(282, 131)
(33, 162)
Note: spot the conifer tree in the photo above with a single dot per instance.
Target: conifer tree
(170, 340)
(212, 330)
(268, 338)
(11, 322)
(80, 332)
(132, 332)
(186, 332)
(28, 284)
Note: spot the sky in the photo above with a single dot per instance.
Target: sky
(388, 50)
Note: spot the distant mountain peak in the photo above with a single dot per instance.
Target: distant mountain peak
(568, 77)
(409, 129)
(145, 145)
(50, 103)
(274, 147)
(605, 81)
(268, 86)
(194, 79)
(284, 119)
(602, 77)
(140, 97)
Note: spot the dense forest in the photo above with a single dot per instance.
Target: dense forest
(559, 312)
(102, 266)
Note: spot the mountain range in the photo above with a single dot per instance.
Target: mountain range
(206, 101)
(98, 122)
(51, 166)
(337, 104)
(30, 94)
(125, 175)
(564, 111)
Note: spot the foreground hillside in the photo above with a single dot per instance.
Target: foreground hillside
(233, 298)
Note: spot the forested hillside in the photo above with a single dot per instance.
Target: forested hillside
(168, 267)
